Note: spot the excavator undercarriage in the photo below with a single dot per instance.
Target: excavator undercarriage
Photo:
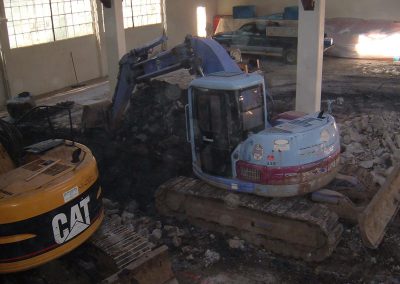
(304, 227)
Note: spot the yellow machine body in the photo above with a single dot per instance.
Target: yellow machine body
(48, 206)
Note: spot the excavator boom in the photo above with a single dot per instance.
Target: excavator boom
(201, 56)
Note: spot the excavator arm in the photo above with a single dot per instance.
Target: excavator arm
(201, 56)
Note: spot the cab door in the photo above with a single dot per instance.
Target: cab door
(211, 134)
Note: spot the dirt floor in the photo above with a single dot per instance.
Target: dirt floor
(151, 148)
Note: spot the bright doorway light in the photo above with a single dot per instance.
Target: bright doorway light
(379, 45)
(201, 21)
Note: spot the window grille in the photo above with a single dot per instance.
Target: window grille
(141, 12)
(31, 22)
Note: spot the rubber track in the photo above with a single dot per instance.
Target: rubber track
(203, 205)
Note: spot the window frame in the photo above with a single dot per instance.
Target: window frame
(49, 11)
(130, 5)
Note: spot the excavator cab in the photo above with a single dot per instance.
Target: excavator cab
(225, 108)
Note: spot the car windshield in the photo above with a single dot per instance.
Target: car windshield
(250, 28)
(253, 28)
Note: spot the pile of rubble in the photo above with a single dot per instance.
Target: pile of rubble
(372, 141)
(178, 237)
(156, 114)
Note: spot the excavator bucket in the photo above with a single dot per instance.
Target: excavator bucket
(372, 210)
(380, 211)
(95, 115)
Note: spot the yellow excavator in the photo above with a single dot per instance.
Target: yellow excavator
(50, 199)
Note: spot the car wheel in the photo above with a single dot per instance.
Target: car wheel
(290, 56)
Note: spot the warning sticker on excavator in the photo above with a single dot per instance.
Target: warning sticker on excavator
(258, 152)
(71, 194)
(281, 145)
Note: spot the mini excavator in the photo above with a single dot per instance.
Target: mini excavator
(272, 180)
(50, 199)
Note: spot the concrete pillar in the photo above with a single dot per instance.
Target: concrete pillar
(310, 57)
(4, 49)
(115, 40)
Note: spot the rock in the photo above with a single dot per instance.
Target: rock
(236, 244)
(172, 92)
(374, 144)
(367, 164)
(144, 232)
(140, 149)
(346, 139)
(190, 257)
(379, 152)
(116, 219)
(158, 225)
(377, 123)
(377, 178)
(212, 236)
(173, 231)
(389, 171)
(211, 257)
(355, 148)
(354, 135)
(132, 206)
(111, 211)
(142, 137)
(187, 249)
(177, 241)
(364, 122)
(157, 234)
(232, 200)
(109, 204)
(154, 128)
(127, 217)
(390, 143)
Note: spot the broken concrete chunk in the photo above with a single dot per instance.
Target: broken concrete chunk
(236, 243)
(109, 204)
(157, 234)
(211, 257)
(176, 241)
(367, 164)
(158, 225)
(173, 231)
(346, 139)
(116, 219)
(355, 148)
(142, 137)
(127, 217)
(132, 206)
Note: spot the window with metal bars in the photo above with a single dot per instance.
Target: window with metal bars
(31, 22)
(141, 12)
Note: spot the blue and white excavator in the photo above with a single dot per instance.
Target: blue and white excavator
(267, 180)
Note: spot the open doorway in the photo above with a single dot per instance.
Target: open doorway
(201, 21)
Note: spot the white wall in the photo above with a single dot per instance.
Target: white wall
(182, 20)
(365, 9)
(47, 67)
(263, 7)
(137, 37)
